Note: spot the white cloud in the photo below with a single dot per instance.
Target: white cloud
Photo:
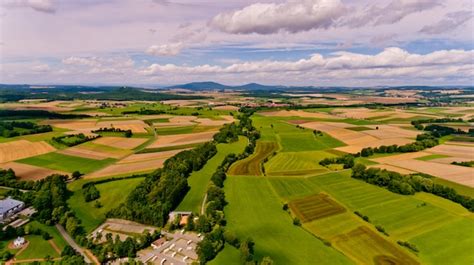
(165, 49)
(46, 6)
(303, 15)
(41, 68)
(449, 23)
(390, 63)
(292, 16)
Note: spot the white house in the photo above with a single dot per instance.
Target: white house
(19, 242)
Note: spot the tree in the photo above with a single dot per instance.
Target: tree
(205, 250)
(266, 261)
(76, 175)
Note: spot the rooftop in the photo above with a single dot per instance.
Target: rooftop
(9, 203)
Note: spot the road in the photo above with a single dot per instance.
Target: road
(72, 243)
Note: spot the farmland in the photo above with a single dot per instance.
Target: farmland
(199, 180)
(253, 164)
(294, 206)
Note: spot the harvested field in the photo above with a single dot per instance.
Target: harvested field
(252, 165)
(210, 122)
(30, 172)
(137, 126)
(315, 207)
(354, 148)
(22, 149)
(388, 131)
(366, 247)
(120, 142)
(408, 161)
(182, 139)
(299, 113)
(128, 168)
(75, 125)
(394, 169)
(149, 156)
(227, 107)
(177, 121)
(453, 150)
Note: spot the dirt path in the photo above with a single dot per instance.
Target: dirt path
(51, 242)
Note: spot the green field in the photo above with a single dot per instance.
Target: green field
(252, 165)
(111, 195)
(67, 163)
(360, 128)
(228, 256)
(255, 211)
(38, 248)
(315, 207)
(431, 157)
(52, 231)
(406, 218)
(198, 181)
(297, 163)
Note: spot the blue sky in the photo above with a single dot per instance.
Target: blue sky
(294, 42)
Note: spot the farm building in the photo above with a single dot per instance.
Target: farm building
(9, 207)
(183, 217)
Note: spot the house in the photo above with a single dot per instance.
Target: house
(9, 207)
(19, 242)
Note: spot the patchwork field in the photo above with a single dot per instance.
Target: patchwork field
(137, 126)
(22, 149)
(405, 218)
(252, 165)
(251, 199)
(315, 207)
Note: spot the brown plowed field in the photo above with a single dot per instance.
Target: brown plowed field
(120, 142)
(29, 172)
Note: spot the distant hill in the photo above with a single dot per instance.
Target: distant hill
(201, 86)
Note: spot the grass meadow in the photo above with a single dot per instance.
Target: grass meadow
(67, 163)
(111, 195)
(198, 181)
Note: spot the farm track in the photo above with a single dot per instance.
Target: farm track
(252, 166)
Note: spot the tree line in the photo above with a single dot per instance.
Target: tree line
(127, 133)
(74, 139)
(409, 184)
(16, 128)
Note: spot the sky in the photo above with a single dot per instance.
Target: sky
(274, 42)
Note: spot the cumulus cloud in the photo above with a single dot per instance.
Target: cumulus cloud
(171, 49)
(450, 22)
(391, 13)
(46, 6)
(293, 16)
(303, 15)
(391, 62)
